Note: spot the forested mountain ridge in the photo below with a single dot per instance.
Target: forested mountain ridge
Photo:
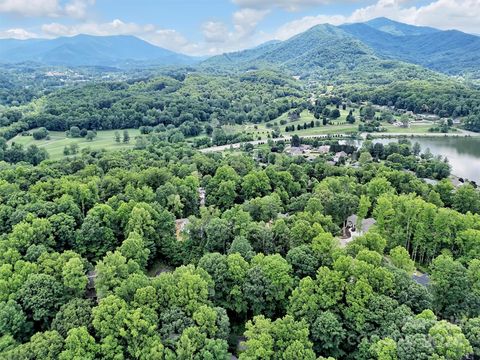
(329, 50)
(323, 50)
(83, 50)
(452, 52)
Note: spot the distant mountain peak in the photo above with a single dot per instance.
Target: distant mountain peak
(397, 28)
(383, 21)
(90, 50)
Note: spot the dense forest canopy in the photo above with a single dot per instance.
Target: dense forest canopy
(93, 264)
(191, 101)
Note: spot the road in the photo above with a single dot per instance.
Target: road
(460, 133)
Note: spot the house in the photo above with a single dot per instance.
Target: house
(300, 150)
(352, 230)
(324, 149)
(365, 226)
(339, 155)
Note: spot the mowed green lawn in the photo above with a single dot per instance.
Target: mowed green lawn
(105, 140)
(413, 129)
(262, 131)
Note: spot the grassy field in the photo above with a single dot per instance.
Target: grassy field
(413, 129)
(105, 140)
(262, 131)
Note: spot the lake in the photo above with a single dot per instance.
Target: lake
(463, 153)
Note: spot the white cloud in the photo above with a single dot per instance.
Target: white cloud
(451, 14)
(215, 31)
(46, 8)
(298, 26)
(18, 33)
(116, 27)
(246, 20)
(78, 8)
(289, 5)
(30, 7)
(442, 14)
(170, 39)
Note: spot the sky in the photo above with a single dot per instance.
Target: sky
(208, 27)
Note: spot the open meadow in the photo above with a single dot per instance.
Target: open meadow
(58, 140)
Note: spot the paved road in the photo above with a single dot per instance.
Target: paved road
(264, 141)
(460, 133)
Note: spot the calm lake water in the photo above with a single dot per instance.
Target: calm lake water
(463, 153)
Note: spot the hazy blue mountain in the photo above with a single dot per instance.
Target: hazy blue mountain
(397, 28)
(86, 50)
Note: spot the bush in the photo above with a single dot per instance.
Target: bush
(40, 133)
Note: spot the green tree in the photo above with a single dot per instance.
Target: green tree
(296, 142)
(240, 245)
(401, 259)
(91, 135)
(268, 284)
(79, 345)
(365, 158)
(133, 248)
(471, 329)
(96, 236)
(449, 285)
(111, 271)
(255, 184)
(335, 114)
(385, 349)
(74, 277)
(46, 345)
(466, 198)
(74, 132)
(40, 133)
(126, 137)
(41, 296)
(13, 320)
(449, 341)
(76, 313)
(363, 209)
(327, 334)
(282, 339)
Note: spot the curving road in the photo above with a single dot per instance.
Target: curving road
(461, 133)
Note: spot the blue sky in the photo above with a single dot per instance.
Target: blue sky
(205, 27)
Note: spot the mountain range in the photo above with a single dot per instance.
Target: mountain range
(376, 44)
(87, 50)
(324, 50)
(452, 52)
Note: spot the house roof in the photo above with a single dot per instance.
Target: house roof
(366, 223)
